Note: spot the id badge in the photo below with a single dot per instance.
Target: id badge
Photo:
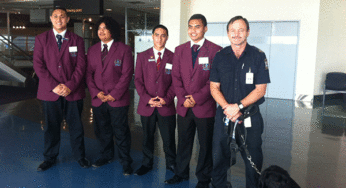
(168, 68)
(249, 77)
(247, 122)
(73, 51)
(204, 61)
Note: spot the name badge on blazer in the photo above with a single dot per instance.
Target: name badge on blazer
(204, 61)
(117, 63)
(168, 68)
(73, 51)
(151, 60)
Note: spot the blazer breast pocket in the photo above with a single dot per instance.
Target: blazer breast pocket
(73, 54)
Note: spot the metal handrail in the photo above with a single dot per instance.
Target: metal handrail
(17, 48)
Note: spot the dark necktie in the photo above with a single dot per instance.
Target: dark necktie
(59, 37)
(194, 54)
(158, 62)
(195, 47)
(104, 52)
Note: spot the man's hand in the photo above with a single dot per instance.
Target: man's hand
(101, 96)
(161, 101)
(235, 117)
(191, 98)
(65, 90)
(109, 98)
(61, 90)
(154, 102)
(57, 90)
(231, 110)
(189, 102)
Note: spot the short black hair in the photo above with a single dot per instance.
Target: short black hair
(235, 18)
(199, 17)
(60, 8)
(162, 27)
(111, 25)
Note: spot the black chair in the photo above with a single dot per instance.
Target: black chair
(335, 81)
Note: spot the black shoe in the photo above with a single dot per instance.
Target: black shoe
(176, 179)
(202, 184)
(102, 162)
(143, 170)
(84, 163)
(127, 170)
(170, 167)
(45, 165)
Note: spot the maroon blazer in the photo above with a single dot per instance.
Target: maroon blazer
(194, 81)
(113, 77)
(151, 83)
(53, 67)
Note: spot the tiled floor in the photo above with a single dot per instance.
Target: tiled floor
(296, 137)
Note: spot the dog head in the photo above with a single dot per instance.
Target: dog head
(276, 177)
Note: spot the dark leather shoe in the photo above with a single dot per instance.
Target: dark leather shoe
(102, 162)
(176, 179)
(170, 167)
(84, 163)
(202, 184)
(45, 165)
(127, 170)
(143, 170)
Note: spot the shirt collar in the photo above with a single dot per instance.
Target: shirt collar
(200, 43)
(244, 52)
(62, 33)
(156, 55)
(109, 44)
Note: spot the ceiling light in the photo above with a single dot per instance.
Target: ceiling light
(109, 10)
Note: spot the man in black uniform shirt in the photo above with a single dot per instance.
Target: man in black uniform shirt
(238, 78)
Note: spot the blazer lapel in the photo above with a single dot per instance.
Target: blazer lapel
(97, 54)
(188, 55)
(65, 43)
(109, 58)
(203, 52)
(163, 64)
(52, 41)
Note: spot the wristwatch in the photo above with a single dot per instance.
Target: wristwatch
(240, 105)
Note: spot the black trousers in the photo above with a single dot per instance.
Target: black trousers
(166, 126)
(112, 122)
(186, 133)
(221, 151)
(54, 112)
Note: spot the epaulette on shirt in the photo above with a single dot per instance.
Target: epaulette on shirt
(258, 49)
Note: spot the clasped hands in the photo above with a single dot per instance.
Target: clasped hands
(104, 98)
(189, 101)
(156, 102)
(61, 90)
(232, 112)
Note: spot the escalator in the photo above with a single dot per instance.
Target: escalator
(16, 61)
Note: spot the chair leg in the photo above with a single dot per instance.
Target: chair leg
(324, 99)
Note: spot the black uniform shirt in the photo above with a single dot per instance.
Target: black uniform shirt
(230, 72)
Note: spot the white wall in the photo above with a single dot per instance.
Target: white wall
(306, 12)
(331, 47)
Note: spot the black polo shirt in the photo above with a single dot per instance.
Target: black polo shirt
(230, 72)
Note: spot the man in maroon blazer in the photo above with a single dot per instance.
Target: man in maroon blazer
(109, 72)
(59, 62)
(196, 108)
(153, 82)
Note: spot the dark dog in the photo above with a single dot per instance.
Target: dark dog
(276, 177)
